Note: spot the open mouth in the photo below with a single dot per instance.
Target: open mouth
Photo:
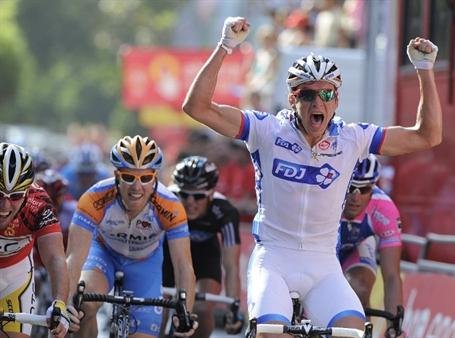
(5, 214)
(135, 196)
(317, 119)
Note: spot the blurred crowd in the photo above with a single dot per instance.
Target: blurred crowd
(321, 23)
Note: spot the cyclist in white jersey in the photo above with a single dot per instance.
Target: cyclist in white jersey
(304, 158)
(371, 226)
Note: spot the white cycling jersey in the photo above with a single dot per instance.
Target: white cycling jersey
(300, 190)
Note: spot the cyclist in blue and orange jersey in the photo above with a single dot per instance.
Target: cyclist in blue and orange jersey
(27, 215)
(371, 224)
(210, 215)
(304, 158)
(119, 224)
(84, 169)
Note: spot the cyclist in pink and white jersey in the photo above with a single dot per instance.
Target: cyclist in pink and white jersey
(371, 223)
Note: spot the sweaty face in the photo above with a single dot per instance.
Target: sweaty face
(314, 114)
(9, 207)
(356, 201)
(135, 188)
(195, 202)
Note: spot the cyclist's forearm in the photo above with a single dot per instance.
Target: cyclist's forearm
(79, 241)
(392, 293)
(58, 274)
(185, 280)
(232, 283)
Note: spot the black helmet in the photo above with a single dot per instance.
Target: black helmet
(195, 173)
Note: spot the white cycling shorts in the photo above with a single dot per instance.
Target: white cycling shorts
(325, 294)
(17, 292)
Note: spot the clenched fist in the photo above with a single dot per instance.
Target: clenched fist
(422, 53)
(235, 31)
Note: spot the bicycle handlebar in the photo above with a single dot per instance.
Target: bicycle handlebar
(25, 318)
(397, 320)
(203, 296)
(307, 330)
(81, 297)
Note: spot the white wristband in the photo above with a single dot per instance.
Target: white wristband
(423, 65)
(226, 48)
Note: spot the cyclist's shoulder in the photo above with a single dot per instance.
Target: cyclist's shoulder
(222, 208)
(99, 196)
(37, 199)
(381, 200)
(38, 210)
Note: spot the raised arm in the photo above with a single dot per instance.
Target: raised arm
(427, 131)
(198, 103)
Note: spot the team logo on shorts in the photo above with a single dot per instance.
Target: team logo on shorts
(322, 176)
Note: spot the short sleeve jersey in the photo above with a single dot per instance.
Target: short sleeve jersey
(301, 189)
(101, 211)
(222, 217)
(380, 218)
(36, 218)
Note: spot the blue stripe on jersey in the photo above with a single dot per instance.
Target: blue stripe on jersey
(228, 234)
(178, 232)
(377, 140)
(257, 166)
(255, 230)
(83, 221)
(243, 134)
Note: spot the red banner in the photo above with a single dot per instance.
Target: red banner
(162, 76)
(429, 305)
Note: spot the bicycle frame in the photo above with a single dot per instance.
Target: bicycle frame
(123, 302)
(120, 322)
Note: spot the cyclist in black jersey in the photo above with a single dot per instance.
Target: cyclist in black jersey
(215, 239)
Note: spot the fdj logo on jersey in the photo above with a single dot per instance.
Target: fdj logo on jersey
(289, 171)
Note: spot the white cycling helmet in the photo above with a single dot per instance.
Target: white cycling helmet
(313, 68)
(16, 168)
(367, 172)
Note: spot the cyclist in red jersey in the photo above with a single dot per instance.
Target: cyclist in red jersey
(27, 215)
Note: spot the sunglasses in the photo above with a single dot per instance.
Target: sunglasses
(309, 95)
(14, 196)
(129, 178)
(361, 190)
(197, 195)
